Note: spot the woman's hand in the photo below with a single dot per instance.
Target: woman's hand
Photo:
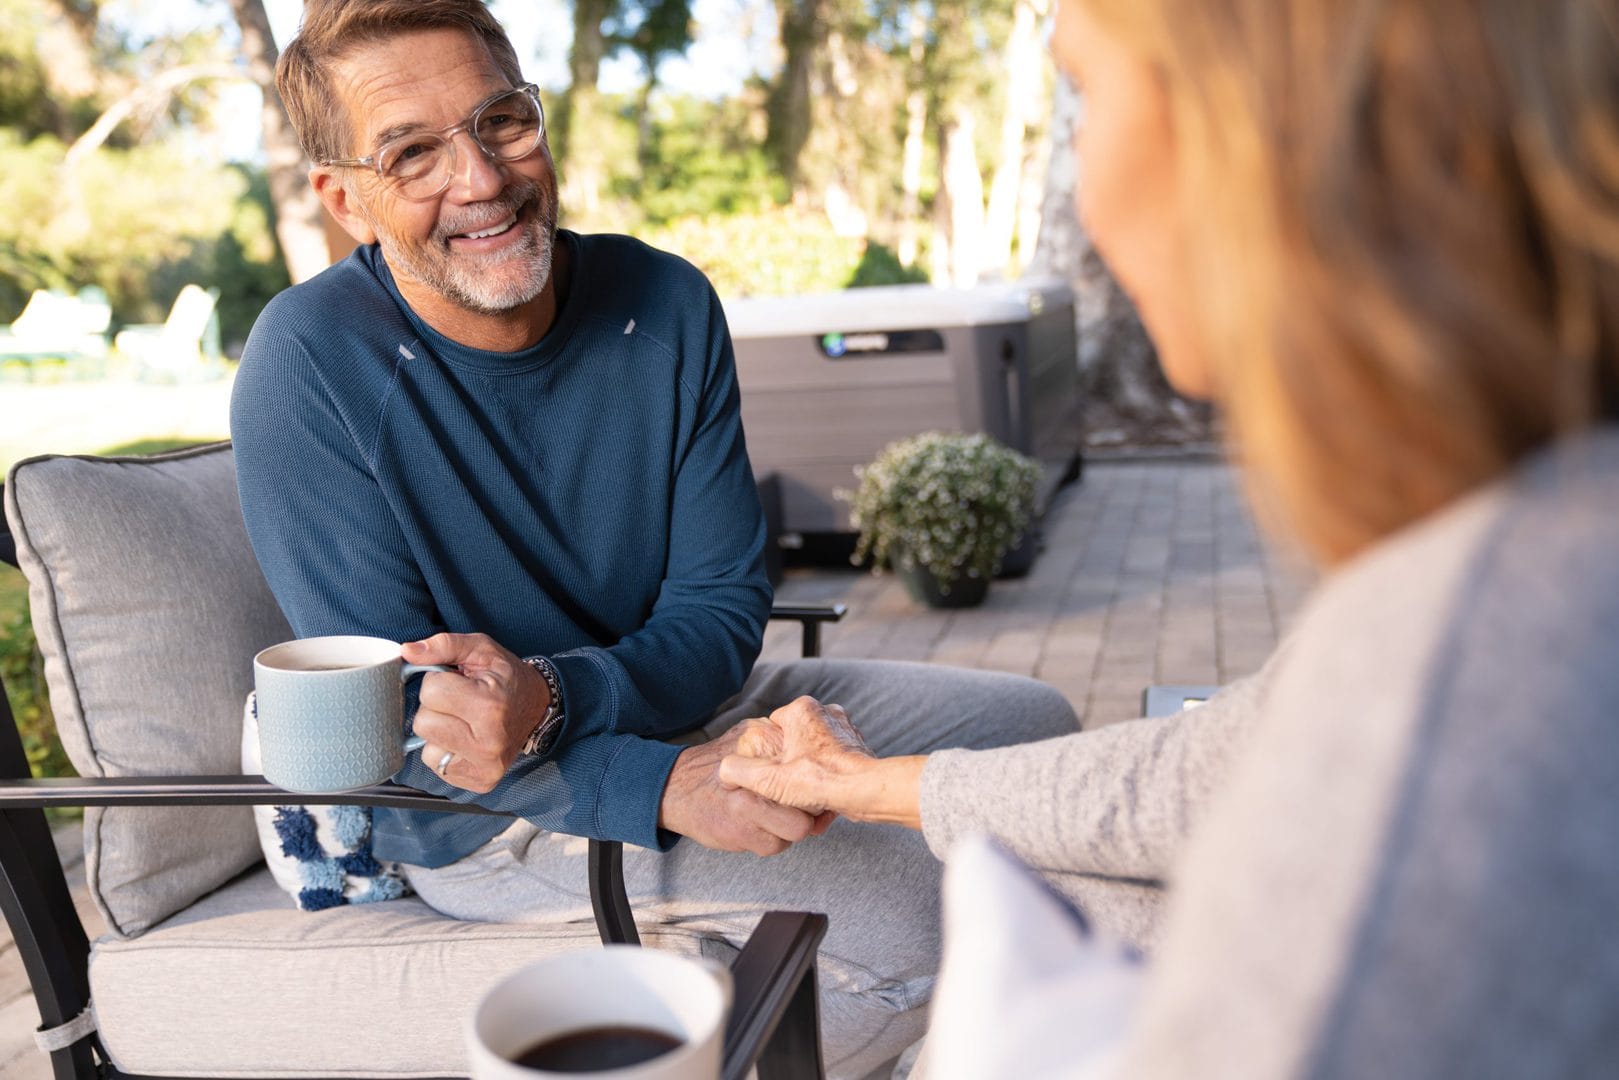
(809, 756)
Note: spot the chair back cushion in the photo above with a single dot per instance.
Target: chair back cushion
(149, 606)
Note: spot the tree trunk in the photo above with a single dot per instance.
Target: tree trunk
(960, 178)
(71, 70)
(643, 124)
(916, 121)
(1030, 196)
(1024, 68)
(1124, 387)
(789, 105)
(299, 220)
(580, 160)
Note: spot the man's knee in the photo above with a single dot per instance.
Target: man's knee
(1038, 710)
(1001, 709)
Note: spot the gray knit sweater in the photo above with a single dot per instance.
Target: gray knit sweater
(1395, 851)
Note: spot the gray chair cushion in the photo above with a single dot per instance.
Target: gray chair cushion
(149, 606)
(244, 984)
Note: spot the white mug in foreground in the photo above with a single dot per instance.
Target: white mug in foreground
(613, 986)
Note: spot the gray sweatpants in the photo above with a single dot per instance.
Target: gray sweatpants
(878, 884)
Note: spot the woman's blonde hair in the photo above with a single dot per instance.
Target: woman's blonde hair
(1406, 238)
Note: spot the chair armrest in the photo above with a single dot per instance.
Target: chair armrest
(775, 1015)
(212, 791)
(810, 616)
(614, 918)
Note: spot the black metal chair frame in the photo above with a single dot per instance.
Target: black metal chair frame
(775, 1016)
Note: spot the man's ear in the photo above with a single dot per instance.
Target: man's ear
(334, 195)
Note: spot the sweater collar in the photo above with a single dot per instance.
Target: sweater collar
(484, 361)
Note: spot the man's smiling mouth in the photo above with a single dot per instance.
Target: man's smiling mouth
(494, 230)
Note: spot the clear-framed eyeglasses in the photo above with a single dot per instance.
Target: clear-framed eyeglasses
(418, 165)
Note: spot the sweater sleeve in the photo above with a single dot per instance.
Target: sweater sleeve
(353, 573)
(706, 626)
(1116, 802)
(1411, 874)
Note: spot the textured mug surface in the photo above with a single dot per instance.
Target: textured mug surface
(331, 712)
(613, 986)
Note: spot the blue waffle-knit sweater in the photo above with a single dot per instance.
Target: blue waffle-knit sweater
(587, 499)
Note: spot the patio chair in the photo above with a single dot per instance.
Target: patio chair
(184, 347)
(55, 326)
(148, 606)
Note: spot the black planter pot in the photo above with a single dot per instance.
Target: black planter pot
(924, 588)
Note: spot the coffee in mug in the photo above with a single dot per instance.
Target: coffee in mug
(331, 712)
(618, 1011)
(597, 1049)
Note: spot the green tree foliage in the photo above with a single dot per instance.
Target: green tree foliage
(139, 223)
(24, 675)
(777, 251)
(27, 101)
(703, 162)
(652, 30)
(148, 210)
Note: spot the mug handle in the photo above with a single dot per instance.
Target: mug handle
(416, 742)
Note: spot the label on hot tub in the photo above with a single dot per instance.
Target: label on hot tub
(878, 342)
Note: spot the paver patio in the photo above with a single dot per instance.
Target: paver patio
(1152, 572)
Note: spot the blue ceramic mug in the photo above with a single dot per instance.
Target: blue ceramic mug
(331, 712)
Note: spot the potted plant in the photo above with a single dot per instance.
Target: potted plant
(942, 510)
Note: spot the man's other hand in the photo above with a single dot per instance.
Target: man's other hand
(698, 805)
(482, 713)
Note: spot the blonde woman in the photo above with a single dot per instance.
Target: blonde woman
(1383, 235)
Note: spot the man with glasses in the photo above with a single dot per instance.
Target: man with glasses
(519, 450)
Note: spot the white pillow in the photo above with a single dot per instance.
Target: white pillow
(1025, 990)
(321, 855)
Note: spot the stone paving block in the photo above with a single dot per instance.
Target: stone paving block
(1084, 600)
(1076, 642)
(1101, 711)
(1185, 669)
(1129, 652)
(1133, 630)
(1074, 676)
(1017, 651)
(1188, 622)
(855, 643)
(1244, 614)
(1194, 649)
(1189, 601)
(1251, 626)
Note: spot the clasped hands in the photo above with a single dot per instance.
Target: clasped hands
(761, 787)
(805, 759)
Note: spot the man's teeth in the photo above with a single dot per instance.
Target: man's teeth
(494, 231)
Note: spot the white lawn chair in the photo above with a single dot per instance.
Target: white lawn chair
(183, 347)
(55, 326)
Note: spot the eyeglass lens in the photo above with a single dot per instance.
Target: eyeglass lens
(507, 127)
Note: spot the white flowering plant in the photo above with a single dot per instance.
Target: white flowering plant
(953, 504)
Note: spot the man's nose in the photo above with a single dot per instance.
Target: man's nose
(477, 176)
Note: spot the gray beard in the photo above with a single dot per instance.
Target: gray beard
(466, 280)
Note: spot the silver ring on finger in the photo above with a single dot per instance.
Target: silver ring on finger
(443, 765)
